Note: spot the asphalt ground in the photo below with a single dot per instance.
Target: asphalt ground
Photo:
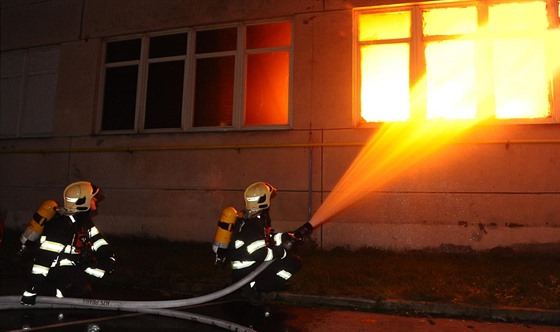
(288, 312)
(242, 316)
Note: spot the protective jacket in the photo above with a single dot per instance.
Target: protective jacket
(70, 243)
(252, 245)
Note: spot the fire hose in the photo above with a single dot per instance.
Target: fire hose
(5, 301)
(227, 325)
(150, 307)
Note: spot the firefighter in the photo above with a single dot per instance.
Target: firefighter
(72, 253)
(253, 242)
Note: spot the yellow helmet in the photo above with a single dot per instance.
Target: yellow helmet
(78, 195)
(258, 195)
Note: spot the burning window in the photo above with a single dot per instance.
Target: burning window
(458, 61)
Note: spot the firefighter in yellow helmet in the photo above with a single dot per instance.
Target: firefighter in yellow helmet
(72, 253)
(253, 242)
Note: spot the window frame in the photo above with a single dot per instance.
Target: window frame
(417, 64)
(188, 101)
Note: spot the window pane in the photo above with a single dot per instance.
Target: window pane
(384, 26)
(214, 92)
(449, 21)
(165, 95)
(518, 17)
(119, 102)
(216, 40)
(450, 68)
(125, 50)
(521, 88)
(521, 85)
(385, 83)
(267, 89)
(169, 45)
(269, 35)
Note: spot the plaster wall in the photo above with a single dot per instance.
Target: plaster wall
(498, 186)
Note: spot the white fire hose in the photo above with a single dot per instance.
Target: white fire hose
(151, 307)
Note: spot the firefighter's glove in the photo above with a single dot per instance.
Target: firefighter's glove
(28, 298)
(221, 256)
(288, 240)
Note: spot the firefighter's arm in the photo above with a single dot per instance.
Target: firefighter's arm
(289, 239)
(100, 265)
(104, 260)
(281, 243)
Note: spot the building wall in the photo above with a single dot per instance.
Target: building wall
(499, 186)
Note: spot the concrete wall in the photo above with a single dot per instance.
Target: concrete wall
(499, 187)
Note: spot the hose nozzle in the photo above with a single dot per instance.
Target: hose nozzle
(304, 231)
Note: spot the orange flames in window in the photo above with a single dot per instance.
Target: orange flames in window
(504, 70)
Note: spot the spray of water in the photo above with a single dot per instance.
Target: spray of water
(390, 152)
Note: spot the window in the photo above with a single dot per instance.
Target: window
(234, 77)
(29, 80)
(461, 60)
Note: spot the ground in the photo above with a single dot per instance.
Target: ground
(524, 277)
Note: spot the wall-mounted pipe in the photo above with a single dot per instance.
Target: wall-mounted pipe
(245, 146)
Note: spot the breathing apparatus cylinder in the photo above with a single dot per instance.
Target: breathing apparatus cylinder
(34, 228)
(225, 228)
